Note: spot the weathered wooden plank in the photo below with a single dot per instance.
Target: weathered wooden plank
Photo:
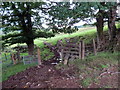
(87, 46)
(72, 58)
(66, 59)
(71, 45)
(80, 50)
(71, 52)
(71, 49)
(13, 58)
(61, 54)
(83, 50)
(39, 57)
(75, 56)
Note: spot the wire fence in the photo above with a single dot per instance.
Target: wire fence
(6, 60)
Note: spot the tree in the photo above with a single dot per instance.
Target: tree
(100, 25)
(63, 16)
(100, 13)
(18, 25)
(112, 14)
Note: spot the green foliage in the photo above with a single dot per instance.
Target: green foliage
(14, 70)
(64, 15)
(46, 54)
(86, 82)
(18, 26)
(104, 66)
(61, 18)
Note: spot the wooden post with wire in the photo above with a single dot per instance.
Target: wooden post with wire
(13, 58)
(39, 57)
(94, 47)
(82, 50)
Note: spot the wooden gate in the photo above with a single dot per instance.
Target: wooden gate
(71, 51)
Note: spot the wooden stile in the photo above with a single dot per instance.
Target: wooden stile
(39, 57)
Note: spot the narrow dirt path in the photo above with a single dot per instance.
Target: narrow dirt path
(45, 76)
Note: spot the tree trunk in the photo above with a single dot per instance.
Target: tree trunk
(112, 28)
(27, 29)
(111, 23)
(99, 25)
(30, 45)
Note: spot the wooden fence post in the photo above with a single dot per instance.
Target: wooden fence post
(61, 55)
(61, 49)
(66, 59)
(94, 47)
(82, 50)
(13, 58)
(18, 56)
(39, 57)
(24, 60)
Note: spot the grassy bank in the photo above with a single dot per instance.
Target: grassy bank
(91, 67)
(6, 73)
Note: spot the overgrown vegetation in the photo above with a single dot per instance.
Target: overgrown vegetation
(92, 66)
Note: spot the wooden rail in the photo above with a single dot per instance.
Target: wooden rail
(71, 51)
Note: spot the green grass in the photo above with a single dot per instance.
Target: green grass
(8, 68)
(98, 62)
(46, 54)
(92, 66)
(53, 40)
(87, 32)
(14, 70)
(86, 82)
(23, 54)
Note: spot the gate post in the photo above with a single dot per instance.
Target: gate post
(83, 50)
(80, 50)
(39, 57)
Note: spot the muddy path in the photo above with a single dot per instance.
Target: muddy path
(44, 76)
(47, 76)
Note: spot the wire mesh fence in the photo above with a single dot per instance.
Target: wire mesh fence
(6, 60)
